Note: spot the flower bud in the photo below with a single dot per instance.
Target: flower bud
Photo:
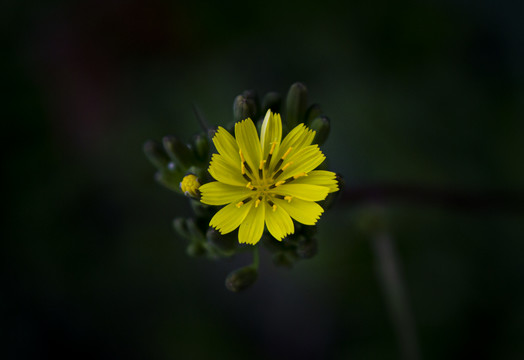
(201, 148)
(243, 108)
(272, 101)
(195, 249)
(296, 103)
(178, 151)
(321, 126)
(189, 186)
(312, 113)
(156, 154)
(180, 226)
(241, 279)
(169, 179)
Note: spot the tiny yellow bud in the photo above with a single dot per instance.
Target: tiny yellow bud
(190, 185)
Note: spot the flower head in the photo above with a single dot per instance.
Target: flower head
(267, 180)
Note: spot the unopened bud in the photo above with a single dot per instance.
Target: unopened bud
(243, 108)
(180, 226)
(296, 104)
(178, 151)
(241, 279)
(312, 113)
(272, 101)
(156, 154)
(195, 249)
(189, 186)
(321, 126)
(201, 148)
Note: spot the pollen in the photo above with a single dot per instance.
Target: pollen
(286, 153)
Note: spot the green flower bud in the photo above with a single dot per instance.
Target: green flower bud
(321, 126)
(180, 226)
(252, 95)
(156, 154)
(201, 148)
(312, 113)
(272, 100)
(178, 151)
(241, 279)
(169, 179)
(296, 103)
(195, 249)
(243, 108)
(226, 243)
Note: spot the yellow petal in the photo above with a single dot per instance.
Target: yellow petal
(252, 227)
(305, 212)
(217, 193)
(248, 141)
(225, 171)
(226, 145)
(302, 191)
(305, 160)
(297, 138)
(270, 132)
(278, 222)
(319, 177)
(229, 217)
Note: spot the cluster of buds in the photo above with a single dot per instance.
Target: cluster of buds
(183, 168)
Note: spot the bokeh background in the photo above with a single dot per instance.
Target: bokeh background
(424, 92)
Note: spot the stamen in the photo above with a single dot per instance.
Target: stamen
(248, 168)
(299, 175)
(260, 171)
(250, 186)
(273, 144)
(239, 204)
(288, 198)
(241, 156)
(272, 204)
(279, 163)
(287, 153)
(243, 168)
(278, 183)
(246, 177)
(277, 174)
(259, 200)
(279, 196)
(287, 165)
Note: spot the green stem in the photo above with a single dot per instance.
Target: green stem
(390, 277)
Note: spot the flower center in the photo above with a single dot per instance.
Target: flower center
(264, 181)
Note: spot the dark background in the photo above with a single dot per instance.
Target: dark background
(427, 92)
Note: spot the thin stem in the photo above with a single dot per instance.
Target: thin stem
(394, 290)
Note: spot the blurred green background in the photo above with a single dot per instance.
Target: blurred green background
(427, 92)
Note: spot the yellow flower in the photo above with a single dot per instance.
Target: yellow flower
(266, 180)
